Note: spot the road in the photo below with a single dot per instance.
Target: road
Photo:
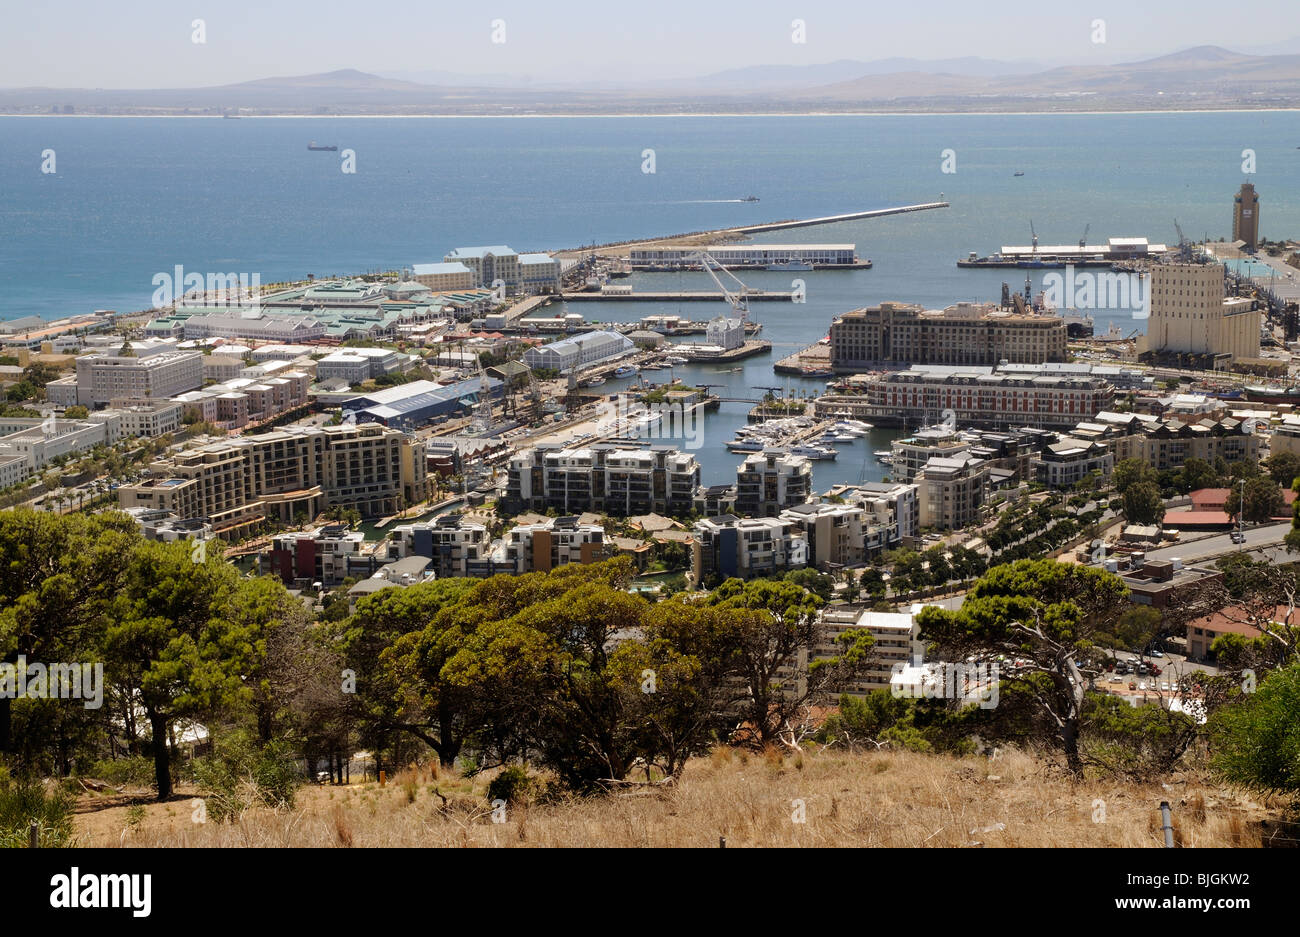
(1262, 542)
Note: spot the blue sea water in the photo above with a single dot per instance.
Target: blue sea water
(133, 197)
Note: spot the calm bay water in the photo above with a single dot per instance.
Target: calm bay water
(134, 197)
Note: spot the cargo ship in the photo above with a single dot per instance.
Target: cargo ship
(326, 149)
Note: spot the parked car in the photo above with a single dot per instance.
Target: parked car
(1143, 669)
(1238, 537)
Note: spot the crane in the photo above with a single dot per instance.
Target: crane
(739, 304)
(1033, 234)
(1083, 241)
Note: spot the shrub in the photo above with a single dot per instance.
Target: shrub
(135, 770)
(513, 785)
(241, 775)
(24, 801)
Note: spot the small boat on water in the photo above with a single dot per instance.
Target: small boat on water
(653, 366)
(817, 372)
(814, 452)
(313, 145)
(676, 360)
(833, 436)
(1020, 172)
(744, 445)
(754, 198)
(593, 382)
(624, 371)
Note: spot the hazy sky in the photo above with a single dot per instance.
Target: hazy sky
(148, 43)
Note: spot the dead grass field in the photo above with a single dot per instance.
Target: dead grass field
(881, 799)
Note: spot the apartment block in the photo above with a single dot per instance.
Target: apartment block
(1069, 461)
(536, 548)
(729, 547)
(951, 491)
(609, 477)
(238, 482)
(896, 641)
(769, 482)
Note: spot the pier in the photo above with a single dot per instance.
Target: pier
(679, 297)
(836, 219)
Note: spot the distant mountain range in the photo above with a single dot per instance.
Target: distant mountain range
(1203, 77)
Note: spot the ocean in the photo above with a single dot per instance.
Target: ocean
(132, 197)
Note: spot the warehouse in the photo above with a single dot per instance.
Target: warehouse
(580, 351)
(409, 406)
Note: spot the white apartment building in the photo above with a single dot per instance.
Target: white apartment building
(896, 637)
(355, 365)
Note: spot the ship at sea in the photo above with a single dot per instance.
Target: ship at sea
(327, 149)
(750, 198)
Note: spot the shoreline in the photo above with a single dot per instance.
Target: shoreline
(689, 114)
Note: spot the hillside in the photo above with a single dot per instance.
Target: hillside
(882, 799)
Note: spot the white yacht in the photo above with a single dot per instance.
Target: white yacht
(814, 452)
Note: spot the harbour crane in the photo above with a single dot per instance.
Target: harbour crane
(1034, 235)
(739, 302)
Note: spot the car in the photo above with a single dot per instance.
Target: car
(1156, 652)
(1165, 687)
(1143, 669)
(1115, 678)
(1238, 537)
(1122, 666)
(1155, 671)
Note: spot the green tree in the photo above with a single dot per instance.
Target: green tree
(1257, 740)
(1283, 467)
(1130, 472)
(175, 643)
(76, 413)
(1263, 501)
(1197, 474)
(1046, 613)
(1143, 504)
(777, 625)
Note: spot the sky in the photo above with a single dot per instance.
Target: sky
(150, 43)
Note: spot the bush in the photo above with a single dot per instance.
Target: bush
(136, 770)
(24, 801)
(241, 775)
(513, 785)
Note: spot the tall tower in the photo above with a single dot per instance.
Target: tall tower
(1245, 217)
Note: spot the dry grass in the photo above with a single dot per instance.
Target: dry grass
(879, 799)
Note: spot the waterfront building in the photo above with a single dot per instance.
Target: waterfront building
(771, 481)
(726, 332)
(1168, 444)
(744, 255)
(911, 453)
(1245, 217)
(444, 277)
(964, 334)
(355, 365)
(579, 351)
(417, 403)
(837, 534)
(891, 505)
(1191, 316)
(327, 554)
(456, 545)
(974, 396)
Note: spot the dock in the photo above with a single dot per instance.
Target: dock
(816, 357)
(679, 297)
(747, 350)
